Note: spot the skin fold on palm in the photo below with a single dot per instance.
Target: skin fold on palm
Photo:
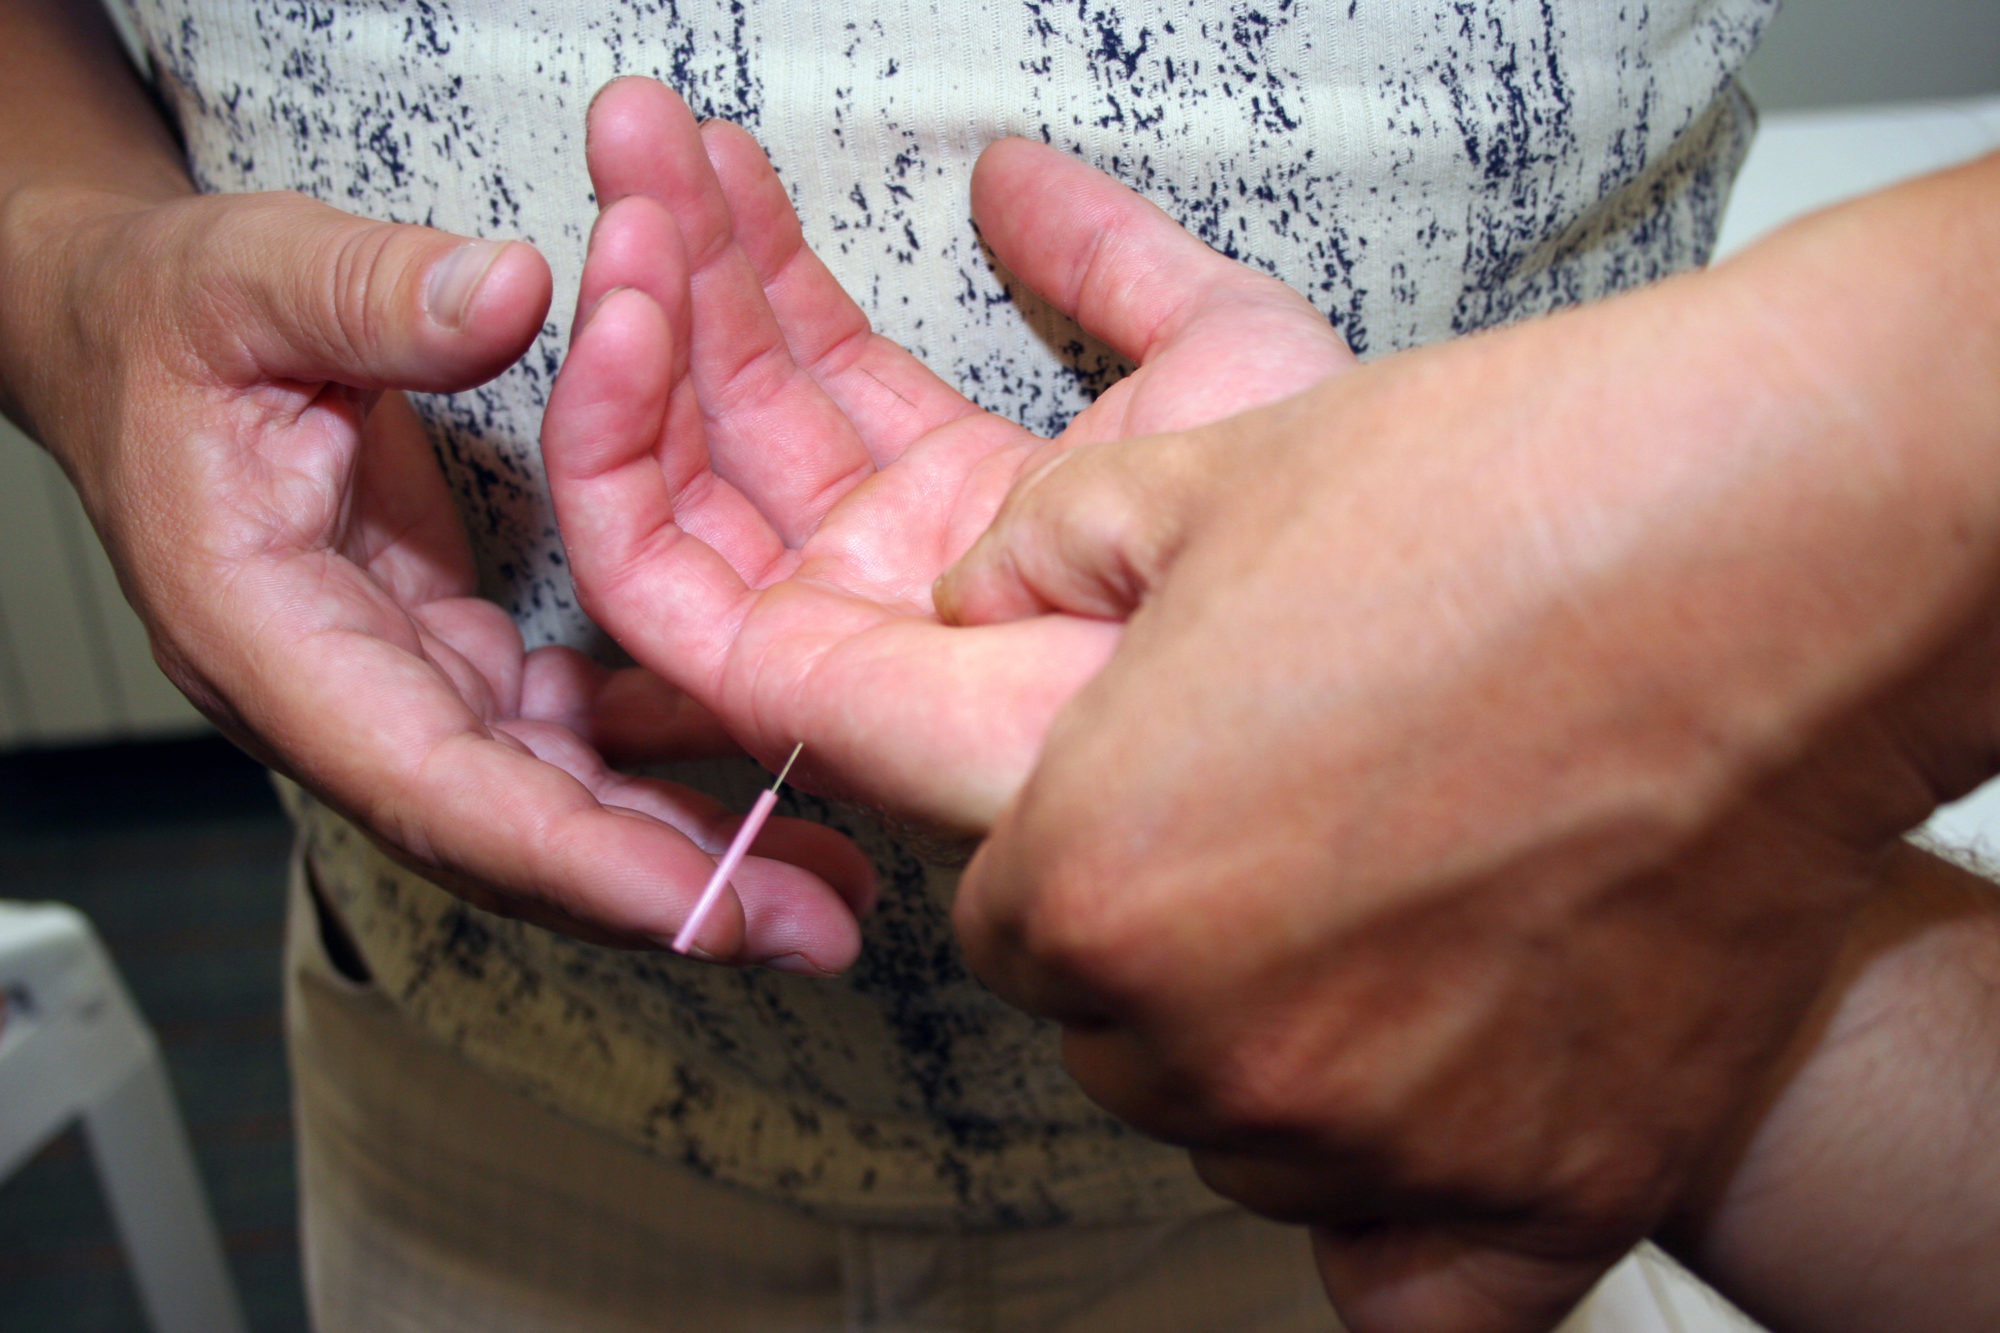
(757, 492)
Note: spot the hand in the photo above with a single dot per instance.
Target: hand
(756, 492)
(221, 377)
(1501, 736)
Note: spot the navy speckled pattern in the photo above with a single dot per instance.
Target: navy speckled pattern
(1419, 168)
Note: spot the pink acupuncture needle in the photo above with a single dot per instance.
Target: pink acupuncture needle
(739, 847)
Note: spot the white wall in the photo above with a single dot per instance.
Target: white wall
(1851, 52)
(74, 665)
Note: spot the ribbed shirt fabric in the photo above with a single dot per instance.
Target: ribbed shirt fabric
(1419, 168)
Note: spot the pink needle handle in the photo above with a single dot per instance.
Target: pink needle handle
(739, 847)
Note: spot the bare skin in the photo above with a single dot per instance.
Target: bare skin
(1861, 1191)
(1482, 1018)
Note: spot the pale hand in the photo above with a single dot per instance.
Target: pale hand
(756, 491)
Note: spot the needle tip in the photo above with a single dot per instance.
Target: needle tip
(783, 772)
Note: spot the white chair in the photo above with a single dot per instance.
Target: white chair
(1649, 1293)
(73, 1047)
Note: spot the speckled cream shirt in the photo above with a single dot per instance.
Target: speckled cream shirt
(1419, 168)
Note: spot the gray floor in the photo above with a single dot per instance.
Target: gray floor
(176, 852)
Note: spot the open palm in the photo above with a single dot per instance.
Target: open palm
(757, 491)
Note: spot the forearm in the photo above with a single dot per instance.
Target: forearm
(1891, 303)
(1752, 502)
(1865, 1192)
(1865, 342)
(71, 108)
(1883, 318)
(79, 138)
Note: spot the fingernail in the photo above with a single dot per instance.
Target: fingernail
(595, 306)
(797, 964)
(943, 606)
(455, 281)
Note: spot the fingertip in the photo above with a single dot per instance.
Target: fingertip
(588, 325)
(720, 935)
(1035, 202)
(616, 116)
(610, 398)
(985, 584)
(483, 303)
(509, 302)
(635, 242)
(946, 604)
(629, 322)
(623, 321)
(324, 296)
(798, 964)
(825, 852)
(733, 151)
(985, 587)
(728, 136)
(1002, 162)
(608, 98)
(629, 120)
(787, 917)
(822, 949)
(743, 171)
(852, 875)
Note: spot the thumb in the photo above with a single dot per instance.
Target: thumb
(1089, 532)
(1144, 284)
(1407, 1278)
(319, 295)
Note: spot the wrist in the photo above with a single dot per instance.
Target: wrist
(1838, 385)
(1889, 306)
(1858, 1189)
(53, 238)
(1889, 313)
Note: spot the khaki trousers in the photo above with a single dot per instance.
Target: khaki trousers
(435, 1200)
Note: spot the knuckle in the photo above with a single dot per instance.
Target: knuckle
(1261, 1088)
(359, 281)
(1051, 925)
(1119, 257)
(193, 263)
(1292, 1074)
(232, 262)
(326, 278)
(1073, 927)
(1084, 532)
(1126, 534)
